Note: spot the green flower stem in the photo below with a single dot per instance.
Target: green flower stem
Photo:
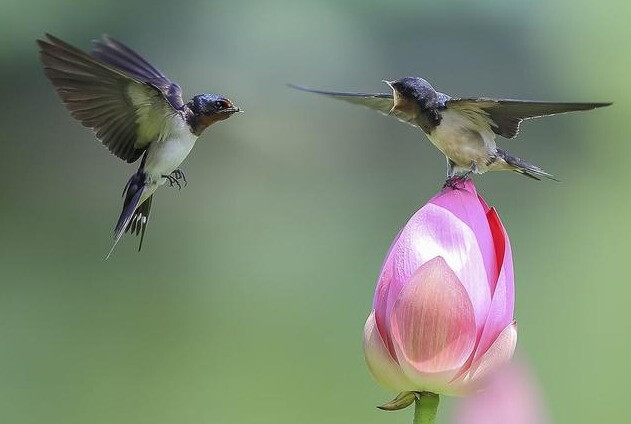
(425, 408)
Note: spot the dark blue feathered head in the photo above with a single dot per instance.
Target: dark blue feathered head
(206, 109)
(415, 88)
(207, 104)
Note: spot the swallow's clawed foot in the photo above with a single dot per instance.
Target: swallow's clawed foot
(457, 182)
(174, 178)
(173, 181)
(178, 174)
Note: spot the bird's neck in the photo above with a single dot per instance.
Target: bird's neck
(425, 113)
(428, 119)
(198, 122)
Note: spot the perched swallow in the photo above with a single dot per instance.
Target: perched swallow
(463, 129)
(135, 111)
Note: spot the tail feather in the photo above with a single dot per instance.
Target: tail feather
(525, 168)
(131, 213)
(138, 222)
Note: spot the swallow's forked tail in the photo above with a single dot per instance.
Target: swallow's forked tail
(134, 216)
(525, 168)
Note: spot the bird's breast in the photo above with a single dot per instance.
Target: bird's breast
(461, 140)
(166, 155)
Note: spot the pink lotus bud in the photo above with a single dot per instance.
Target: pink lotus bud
(511, 397)
(442, 316)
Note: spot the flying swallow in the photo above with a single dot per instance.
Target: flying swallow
(463, 129)
(136, 112)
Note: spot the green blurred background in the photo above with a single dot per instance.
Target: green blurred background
(248, 300)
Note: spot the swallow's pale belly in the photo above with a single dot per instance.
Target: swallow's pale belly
(468, 144)
(165, 156)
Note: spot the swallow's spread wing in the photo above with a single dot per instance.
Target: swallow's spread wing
(380, 102)
(118, 55)
(123, 98)
(506, 115)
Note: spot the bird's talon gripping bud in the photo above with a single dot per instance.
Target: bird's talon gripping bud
(456, 182)
(402, 401)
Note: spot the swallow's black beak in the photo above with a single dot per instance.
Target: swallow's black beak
(229, 110)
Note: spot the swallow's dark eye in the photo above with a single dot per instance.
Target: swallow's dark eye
(220, 104)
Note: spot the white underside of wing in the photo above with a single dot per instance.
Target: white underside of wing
(153, 113)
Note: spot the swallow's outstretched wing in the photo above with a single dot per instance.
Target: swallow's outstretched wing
(381, 102)
(114, 91)
(506, 115)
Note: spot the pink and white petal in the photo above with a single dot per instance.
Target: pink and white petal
(466, 205)
(432, 324)
(380, 363)
(434, 231)
(502, 306)
(380, 303)
(499, 354)
(380, 300)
